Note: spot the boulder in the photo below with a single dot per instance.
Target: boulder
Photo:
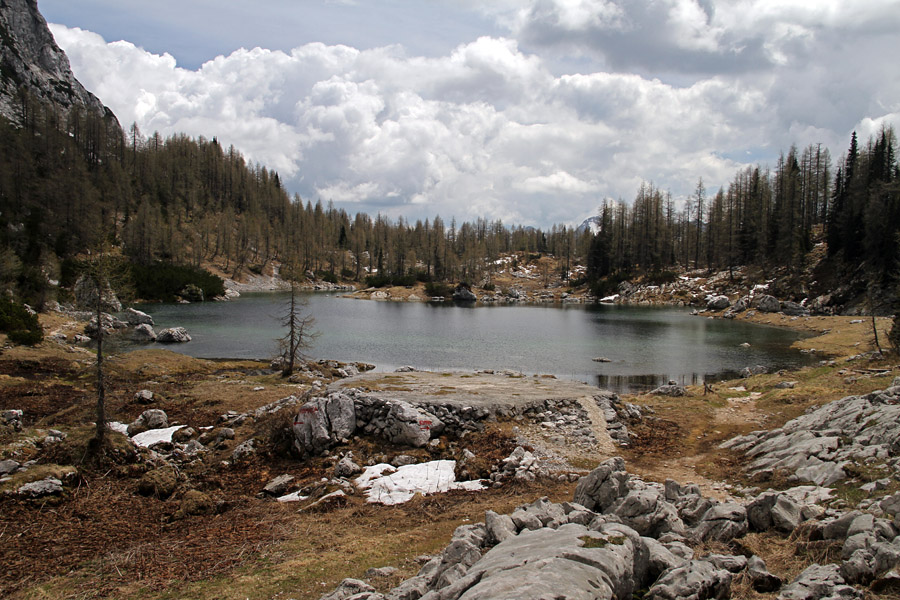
(279, 485)
(718, 303)
(244, 450)
(143, 397)
(8, 466)
(760, 578)
(697, 580)
(768, 304)
(463, 294)
(324, 422)
(143, 333)
(602, 486)
(135, 317)
(819, 581)
(792, 309)
(153, 418)
(723, 523)
(173, 335)
(346, 467)
(51, 486)
(350, 588)
(670, 390)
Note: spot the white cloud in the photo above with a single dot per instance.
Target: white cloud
(490, 130)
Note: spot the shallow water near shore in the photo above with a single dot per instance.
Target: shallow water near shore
(646, 346)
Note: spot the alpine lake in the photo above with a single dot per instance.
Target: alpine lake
(645, 346)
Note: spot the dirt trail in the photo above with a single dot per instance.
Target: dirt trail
(605, 446)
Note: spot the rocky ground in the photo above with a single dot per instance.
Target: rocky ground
(187, 504)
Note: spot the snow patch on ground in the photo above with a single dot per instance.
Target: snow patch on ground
(386, 484)
(118, 427)
(292, 497)
(148, 438)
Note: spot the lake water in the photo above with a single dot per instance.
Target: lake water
(646, 345)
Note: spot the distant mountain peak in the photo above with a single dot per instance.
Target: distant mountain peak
(591, 224)
(30, 58)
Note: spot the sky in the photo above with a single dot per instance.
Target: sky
(527, 111)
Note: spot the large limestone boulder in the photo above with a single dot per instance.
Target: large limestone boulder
(173, 335)
(718, 303)
(324, 422)
(768, 304)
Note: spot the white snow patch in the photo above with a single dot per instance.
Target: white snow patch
(609, 298)
(386, 484)
(118, 427)
(148, 438)
(292, 497)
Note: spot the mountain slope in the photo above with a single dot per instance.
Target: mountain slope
(31, 60)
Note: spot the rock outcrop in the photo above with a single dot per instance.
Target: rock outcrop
(31, 60)
(621, 535)
(817, 446)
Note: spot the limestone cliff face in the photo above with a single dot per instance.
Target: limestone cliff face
(30, 58)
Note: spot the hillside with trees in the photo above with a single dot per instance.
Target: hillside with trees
(72, 180)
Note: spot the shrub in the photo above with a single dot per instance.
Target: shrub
(327, 276)
(489, 287)
(348, 274)
(435, 289)
(20, 326)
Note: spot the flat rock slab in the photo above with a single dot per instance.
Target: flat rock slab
(478, 390)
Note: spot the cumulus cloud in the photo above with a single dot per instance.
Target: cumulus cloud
(491, 130)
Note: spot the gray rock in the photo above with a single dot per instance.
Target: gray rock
(143, 396)
(754, 370)
(500, 527)
(349, 588)
(768, 304)
(552, 563)
(660, 558)
(697, 580)
(648, 513)
(279, 485)
(602, 486)
(153, 418)
(244, 450)
(8, 466)
(143, 333)
(173, 335)
(718, 303)
(785, 385)
(723, 523)
(464, 294)
(135, 317)
(346, 467)
(793, 309)
(376, 572)
(760, 578)
(818, 582)
(50, 486)
(670, 390)
(411, 589)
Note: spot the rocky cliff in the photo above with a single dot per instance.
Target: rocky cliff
(30, 59)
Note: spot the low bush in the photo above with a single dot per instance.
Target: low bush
(436, 289)
(20, 326)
